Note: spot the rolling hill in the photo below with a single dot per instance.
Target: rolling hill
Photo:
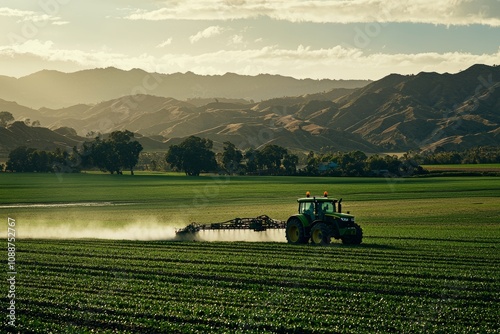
(396, 113)
(166, 120)
(19, 134)
(426, 110)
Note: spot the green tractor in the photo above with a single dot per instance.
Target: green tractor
(321, 219)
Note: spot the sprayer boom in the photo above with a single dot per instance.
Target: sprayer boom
(258, 224)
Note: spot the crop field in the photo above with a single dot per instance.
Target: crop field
(95, 253)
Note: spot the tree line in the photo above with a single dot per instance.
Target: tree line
(194, 155)
(27, 159)
(119, 152)
(476, 155)
(116, 153)
(357, 163)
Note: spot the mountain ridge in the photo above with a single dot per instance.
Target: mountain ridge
(396, 113)
(55, 89)
(383, 111)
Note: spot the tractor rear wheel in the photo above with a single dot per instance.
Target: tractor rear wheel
(353, 239)
(295, 233)
(320, 234)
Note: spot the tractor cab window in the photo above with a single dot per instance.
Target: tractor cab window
(327, 207)
(307, 208)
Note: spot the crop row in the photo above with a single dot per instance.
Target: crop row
(362, 281)
(278, 258)
(308, 310)
(121, 286)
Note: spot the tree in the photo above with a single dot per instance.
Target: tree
(20, 160)
(193, 156)
(393, 164)
(376, 163)
(231, 157)
(41, 161)
(312, 164)
(252, 158)
(102, 155)
(175, 156)
(127, 150)
(5, 118)
(65, 162)
(113, 154)
(351, 163)
(85, 154)
(290, 162)
(272, 156)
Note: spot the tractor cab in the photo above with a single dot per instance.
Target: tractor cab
(315, 208)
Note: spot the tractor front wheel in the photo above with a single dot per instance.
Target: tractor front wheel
(320, 234)
(353, 239)
(295, 232)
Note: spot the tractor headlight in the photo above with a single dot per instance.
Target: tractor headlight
(344, 219)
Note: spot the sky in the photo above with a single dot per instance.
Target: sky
(333, 39)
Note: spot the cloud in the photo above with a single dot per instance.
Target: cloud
(60, 23)
(165, 43)
(446, 12)
(9, 12)
(206, 33)
(236, 40)
(27, 15)
(337, 62)
(46, 51)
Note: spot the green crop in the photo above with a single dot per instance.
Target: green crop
(386, 285)
(429, 261)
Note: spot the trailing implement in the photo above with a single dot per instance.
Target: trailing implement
(258, 224)
(320, 220)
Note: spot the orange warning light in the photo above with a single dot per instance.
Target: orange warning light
(325, 194)
(308, 194)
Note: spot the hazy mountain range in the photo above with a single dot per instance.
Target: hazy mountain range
(396, 113)
(54, 89)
